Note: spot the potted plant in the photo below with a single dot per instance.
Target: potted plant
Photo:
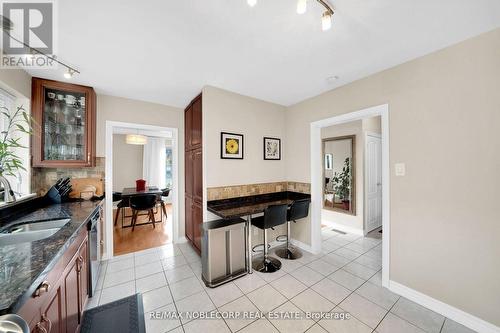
(342, 183)
(10, 162)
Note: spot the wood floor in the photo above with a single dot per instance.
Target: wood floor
(143, 237)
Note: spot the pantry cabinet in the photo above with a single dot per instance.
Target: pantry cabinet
(64, 124)
(193, 172)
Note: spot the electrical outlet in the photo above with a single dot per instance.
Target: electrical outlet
(400, 169)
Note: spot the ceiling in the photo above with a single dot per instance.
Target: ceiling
(165, 51)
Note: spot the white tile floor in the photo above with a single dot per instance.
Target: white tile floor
(344, 278)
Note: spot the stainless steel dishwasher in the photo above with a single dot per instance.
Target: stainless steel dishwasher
(223, 251)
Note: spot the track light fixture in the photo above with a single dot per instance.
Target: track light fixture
(69, 74)
(326, 18)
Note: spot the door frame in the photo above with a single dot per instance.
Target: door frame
(316, 181)
(111, 126)
(365, 181)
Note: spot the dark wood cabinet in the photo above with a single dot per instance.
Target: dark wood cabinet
(197, 216)
(193, 117)
(57, 304)
(71, 296)
(196, 122)
(64, 126)
(197, 158)
(52, 316)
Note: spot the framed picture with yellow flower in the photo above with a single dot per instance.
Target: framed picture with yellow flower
(231, 146)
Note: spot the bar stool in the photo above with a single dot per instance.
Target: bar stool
(143, 202)
(298, 210)
(273, 216)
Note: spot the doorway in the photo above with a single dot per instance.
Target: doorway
(150, 154)
(317, 181)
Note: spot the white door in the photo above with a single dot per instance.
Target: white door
(373, 183)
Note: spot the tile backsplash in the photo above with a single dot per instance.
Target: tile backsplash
(43, 178)
(225, 192)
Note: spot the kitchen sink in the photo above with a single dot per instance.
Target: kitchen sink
(37, 226)
(28, 236)
(30, 232)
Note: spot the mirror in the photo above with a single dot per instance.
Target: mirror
(339, 175)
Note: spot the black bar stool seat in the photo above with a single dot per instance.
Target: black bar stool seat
(273, 216)
(298, 210)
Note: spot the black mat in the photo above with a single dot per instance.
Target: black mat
(124, 315)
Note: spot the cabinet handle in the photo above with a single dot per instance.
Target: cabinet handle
(42, 288)
(79, 264)
(40, 328)
(48, 321)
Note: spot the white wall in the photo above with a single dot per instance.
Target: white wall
(127, 163)
(18, 83)
(444, 116)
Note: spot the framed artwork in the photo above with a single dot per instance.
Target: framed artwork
(272, 149)
(231, 146)
(328, 161)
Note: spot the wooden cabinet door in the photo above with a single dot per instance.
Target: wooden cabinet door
(196, 123)
(71, 293)
(197, 175)
(83, 281)
(188, 166)
(188, 124)
(52, 318)
(197, 216)
(188, 218)
(66, 109)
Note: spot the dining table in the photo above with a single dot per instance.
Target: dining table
(246, 207)
(129, 192)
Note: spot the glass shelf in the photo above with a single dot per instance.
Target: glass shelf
(64, 125)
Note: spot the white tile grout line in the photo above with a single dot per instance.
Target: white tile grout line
(302, 264)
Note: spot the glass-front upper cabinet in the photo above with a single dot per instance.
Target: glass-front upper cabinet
(64, 124)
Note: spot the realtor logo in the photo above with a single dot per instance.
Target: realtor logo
(27, 33)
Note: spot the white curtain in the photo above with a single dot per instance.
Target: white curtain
(154, 162)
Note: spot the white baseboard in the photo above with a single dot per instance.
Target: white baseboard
(444, 309)
(344, 228)
(301, 245)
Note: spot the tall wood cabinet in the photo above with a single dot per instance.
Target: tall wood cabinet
(193, 171)
(64, 128)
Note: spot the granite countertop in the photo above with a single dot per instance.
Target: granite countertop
(250, 205)
(24, 266)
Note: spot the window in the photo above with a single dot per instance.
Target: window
(168, 168)
(21, 183)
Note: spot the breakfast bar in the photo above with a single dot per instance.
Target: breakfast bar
(248, 206)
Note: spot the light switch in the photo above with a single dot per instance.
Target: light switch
(400, 169)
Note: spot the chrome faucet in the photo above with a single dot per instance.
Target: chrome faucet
(8, 193)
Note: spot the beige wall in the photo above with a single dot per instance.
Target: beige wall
(127, 163)
(138, 112)
(444, 116)
(224, 111)
(16, 80)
